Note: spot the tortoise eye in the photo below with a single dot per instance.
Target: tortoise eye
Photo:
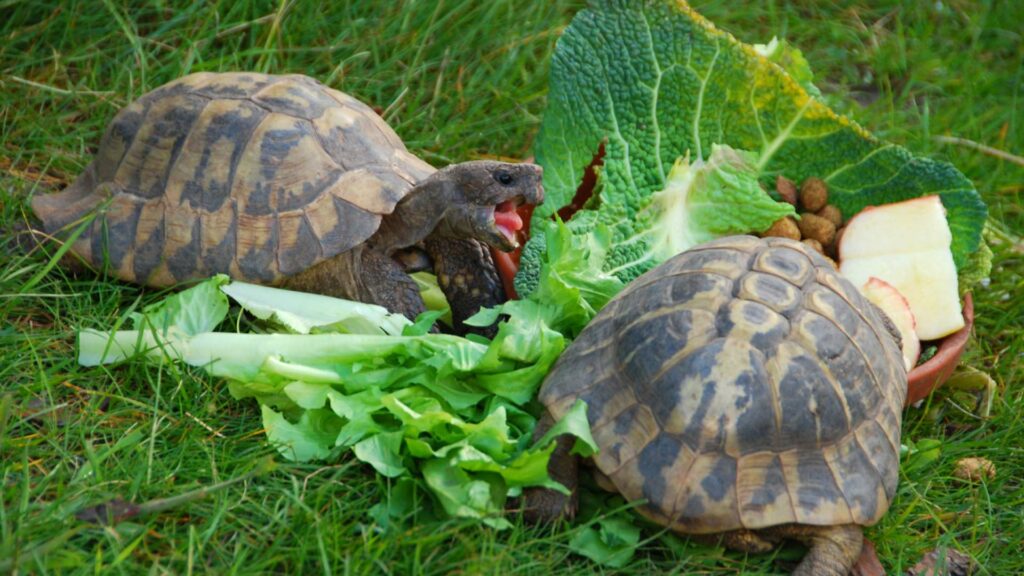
(504, 178)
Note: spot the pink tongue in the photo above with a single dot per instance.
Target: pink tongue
(505, 216)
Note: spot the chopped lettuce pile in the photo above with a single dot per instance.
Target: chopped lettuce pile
(655, 82)
(333, 375)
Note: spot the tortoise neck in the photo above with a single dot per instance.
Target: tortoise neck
(416, 215)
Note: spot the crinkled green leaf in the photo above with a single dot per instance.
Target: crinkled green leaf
(383, 452)
(304, 312)
(574, 423)
(465, 495)
(704, 200)
(792, 60)
(609, 541)
(655, 81)
(433, 296)
(200, 308)
(309, 438)
(977, 269)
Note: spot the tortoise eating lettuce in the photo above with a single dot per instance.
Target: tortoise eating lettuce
(282, 180)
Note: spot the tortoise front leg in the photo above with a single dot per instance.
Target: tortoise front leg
(467, 276)
(363, 275)
(545, 504)
(385, 282)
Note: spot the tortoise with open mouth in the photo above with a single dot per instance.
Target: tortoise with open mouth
(281, 180)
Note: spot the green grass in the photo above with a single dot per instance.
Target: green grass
(457, 80)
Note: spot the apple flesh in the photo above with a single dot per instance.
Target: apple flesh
(889, 300)
(907, 245)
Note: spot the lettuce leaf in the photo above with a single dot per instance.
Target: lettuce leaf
(704, 200)
(332, 375)
(655, 81)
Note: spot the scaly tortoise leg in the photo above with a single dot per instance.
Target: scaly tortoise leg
(385, 282)
(833, 550)
(363, 275)
(467, 276)
(545, 504)
(749, 541)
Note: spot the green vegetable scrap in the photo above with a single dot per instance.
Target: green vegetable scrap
(792, 60)
(701, 200)
(704, 200)
(655, 81)
(608, 541)
(333, 375)
(569, 287)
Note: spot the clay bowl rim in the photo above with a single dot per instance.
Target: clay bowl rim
(926, 378)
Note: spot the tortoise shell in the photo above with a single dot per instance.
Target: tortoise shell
(740, 385)
(252, 175)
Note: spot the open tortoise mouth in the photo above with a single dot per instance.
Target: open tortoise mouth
(508, 221)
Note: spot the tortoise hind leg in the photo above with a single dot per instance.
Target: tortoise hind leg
(467, 276)
(833, 549)
(545, 504)
(749, 541)
(62, 208)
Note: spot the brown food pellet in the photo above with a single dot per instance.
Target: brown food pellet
(975, 468)
(813, 194)
(832, 214)
(786, 189)
(818, 228)
(783, 228)
(814, 244)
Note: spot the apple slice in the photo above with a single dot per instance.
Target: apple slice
(882, 294)
(906, 244)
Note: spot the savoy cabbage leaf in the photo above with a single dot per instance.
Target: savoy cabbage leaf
(655, 81)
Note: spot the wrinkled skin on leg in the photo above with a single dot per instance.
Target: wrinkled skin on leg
(356, 275)
(467, 276)
(832, 550)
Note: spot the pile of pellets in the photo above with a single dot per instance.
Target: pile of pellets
(820, 224)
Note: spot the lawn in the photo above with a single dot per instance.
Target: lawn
(457, 81)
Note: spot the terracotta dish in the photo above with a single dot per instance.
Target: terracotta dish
(925, 378)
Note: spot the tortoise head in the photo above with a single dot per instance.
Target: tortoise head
(482, 198)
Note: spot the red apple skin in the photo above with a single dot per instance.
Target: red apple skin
(895, 305)
(907, 244)
(864, 216)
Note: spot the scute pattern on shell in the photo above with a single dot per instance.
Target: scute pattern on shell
(742, 384)
(249, 174)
